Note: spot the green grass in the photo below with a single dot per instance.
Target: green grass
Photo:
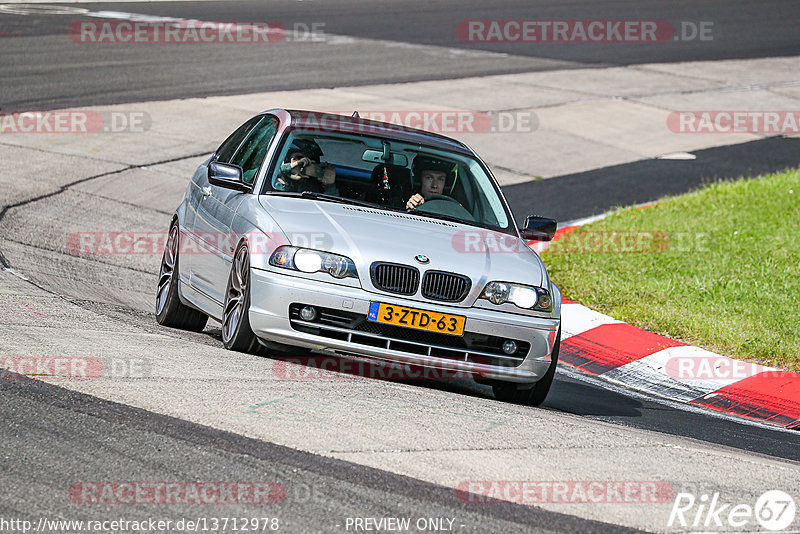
(721, 271)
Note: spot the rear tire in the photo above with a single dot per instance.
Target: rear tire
(508, 392)
(236, 331)
(170, 311)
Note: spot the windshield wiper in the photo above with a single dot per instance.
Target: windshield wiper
(341, 200)
(328, 198)
(442, 216)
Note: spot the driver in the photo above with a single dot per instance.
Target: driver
(430, 175)
(302, 170)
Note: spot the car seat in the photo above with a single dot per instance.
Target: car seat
(390, 185)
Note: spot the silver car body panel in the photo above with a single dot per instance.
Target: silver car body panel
(365, 235)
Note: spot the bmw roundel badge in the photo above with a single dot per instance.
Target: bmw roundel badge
(423, 259)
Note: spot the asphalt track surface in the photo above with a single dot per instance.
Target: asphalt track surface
(320, 493)
(600, 190)
(50, 434)
(384, 42)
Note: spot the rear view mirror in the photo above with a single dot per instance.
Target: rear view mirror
(538, 228)
(378, 156)
(227, 176)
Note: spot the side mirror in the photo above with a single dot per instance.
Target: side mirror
(227, 176)
(538, 228)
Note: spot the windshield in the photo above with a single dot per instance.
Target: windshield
(389, 174)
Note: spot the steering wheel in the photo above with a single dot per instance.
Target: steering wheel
(446, 206)
(431, 198)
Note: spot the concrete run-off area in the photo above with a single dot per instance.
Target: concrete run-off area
(57, 304)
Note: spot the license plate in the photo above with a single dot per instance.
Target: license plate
(444, 323)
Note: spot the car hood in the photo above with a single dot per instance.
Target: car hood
(366, 235)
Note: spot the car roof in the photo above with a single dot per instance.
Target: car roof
(332, 122)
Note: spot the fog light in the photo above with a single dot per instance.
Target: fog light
(509, 346)
(309, 313)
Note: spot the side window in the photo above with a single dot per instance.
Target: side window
(228, 148)
(252, 152)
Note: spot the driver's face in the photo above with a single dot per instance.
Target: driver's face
(432, 182)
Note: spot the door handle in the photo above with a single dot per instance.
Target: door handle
(207, 191)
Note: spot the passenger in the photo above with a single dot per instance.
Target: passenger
(430, 175)
(302, 170)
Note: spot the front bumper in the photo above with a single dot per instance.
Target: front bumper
(273, 293)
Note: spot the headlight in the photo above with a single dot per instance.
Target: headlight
(313, 261)
(528, 297)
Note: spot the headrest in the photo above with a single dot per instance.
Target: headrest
(397, 176)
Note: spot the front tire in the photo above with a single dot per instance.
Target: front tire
(236, 331)
(170, 311)
(536, 395)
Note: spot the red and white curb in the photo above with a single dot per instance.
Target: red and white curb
(602, 346)
(599, 345)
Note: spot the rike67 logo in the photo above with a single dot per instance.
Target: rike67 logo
(774, 510)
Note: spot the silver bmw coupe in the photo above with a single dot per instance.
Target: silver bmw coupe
(360, 238)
